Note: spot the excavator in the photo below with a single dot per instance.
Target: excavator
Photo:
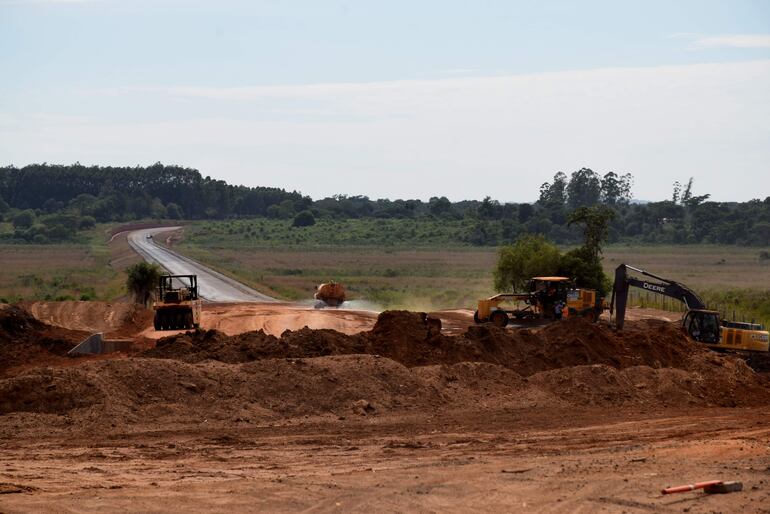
(177, 306)
(700, 324)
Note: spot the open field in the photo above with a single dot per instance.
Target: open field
(729, 277)
(431, 276)
(57, 272)
(418, 279)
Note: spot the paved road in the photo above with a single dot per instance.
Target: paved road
(212, 285)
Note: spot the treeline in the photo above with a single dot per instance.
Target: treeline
(52, 203)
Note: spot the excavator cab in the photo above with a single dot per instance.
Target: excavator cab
(702, 325)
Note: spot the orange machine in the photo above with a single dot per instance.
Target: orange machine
(330, 294)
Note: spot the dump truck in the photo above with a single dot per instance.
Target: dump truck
(329, 294)
(547, 299)
(700, 324)
(177, 305)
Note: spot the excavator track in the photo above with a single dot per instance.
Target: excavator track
(759, 362)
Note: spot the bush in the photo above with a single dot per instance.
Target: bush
(23, 219)
(529, 257)
(303, 219)
(142, 280)
(580, 265)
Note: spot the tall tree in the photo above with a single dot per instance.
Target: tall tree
(584, 189)
(616, 189)
(554, 194)
(596, 225)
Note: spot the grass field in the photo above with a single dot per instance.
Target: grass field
(58, 272)
(417, 271)
(413, 279)
(427, 277)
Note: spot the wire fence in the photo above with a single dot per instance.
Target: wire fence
(652, 300)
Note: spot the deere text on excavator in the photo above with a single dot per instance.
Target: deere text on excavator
(700, 324)
(178, 306)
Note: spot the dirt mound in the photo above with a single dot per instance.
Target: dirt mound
(404, 363)
(24, 339)
(108, 317)
(586, 363)
(415, 339)
(200, 345)
(131, 390)
(729, 384)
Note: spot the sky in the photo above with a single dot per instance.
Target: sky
(396, 99)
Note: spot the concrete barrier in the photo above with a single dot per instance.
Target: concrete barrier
(96, 344)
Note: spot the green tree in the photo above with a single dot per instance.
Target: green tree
(580, 265)
(439, 206)
(173, 211)
(584, 264)
(616, 189)
(303, 219)
(142, 280)
(596, 225)
(23, 219)
(584, 188)
(530, 256)
(554, 195)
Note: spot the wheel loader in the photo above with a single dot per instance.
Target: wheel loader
(547, 299)
(700, 324)
(178, 306)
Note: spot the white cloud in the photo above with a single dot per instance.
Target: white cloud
(700, 42)
(39, 2)
(460, 137)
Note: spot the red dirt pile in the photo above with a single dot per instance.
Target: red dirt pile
(414, 339)
(24, 339)
(403, 364)
(651, 361)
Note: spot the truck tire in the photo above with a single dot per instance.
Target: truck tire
(476, 318)
(499, 319)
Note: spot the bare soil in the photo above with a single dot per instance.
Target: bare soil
(398, 412)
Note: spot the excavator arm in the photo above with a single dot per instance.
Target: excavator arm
(663, 286)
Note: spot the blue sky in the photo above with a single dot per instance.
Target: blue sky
(395, 99)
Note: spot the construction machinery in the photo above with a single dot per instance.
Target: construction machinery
(547, 298)
(700, 324)
(178, 306)
(329, 294)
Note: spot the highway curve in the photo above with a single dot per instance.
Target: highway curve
(212, 285)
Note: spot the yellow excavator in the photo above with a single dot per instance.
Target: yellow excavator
(547, 298)
(700, 324)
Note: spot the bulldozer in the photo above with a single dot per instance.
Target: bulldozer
(546, 299)
(177, 306)
(329, 294)
(700, 324)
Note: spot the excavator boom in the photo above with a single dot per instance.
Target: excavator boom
(665, 287)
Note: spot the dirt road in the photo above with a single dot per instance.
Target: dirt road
(212, 285)
(510, 461)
